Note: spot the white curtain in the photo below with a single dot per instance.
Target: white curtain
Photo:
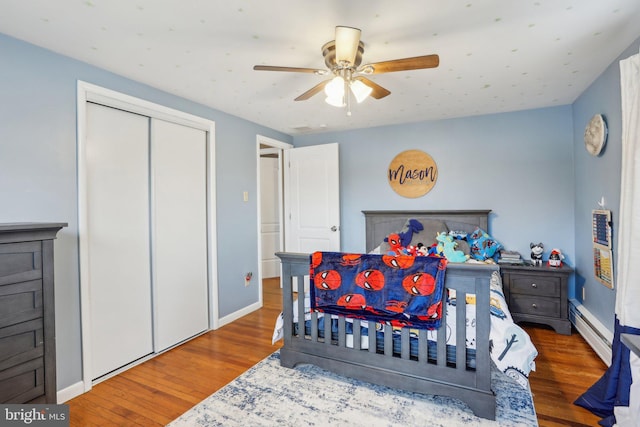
(628, 276)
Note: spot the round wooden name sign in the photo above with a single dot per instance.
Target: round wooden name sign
(412, 173)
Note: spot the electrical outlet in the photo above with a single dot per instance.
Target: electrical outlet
(247, 278)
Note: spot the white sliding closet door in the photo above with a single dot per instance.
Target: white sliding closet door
(117, 216)
(179, 237)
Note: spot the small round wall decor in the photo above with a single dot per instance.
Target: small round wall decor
(412, 173)
(595, 135)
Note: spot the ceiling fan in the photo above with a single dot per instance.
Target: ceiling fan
(343, 57)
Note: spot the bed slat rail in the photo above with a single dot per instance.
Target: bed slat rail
(461, 333)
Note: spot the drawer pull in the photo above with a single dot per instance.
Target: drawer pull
(533, 285)
(534, 305)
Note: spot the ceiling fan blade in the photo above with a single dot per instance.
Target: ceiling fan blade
(347, 41)
(415, 63)
(377, 90)
(290, 69)
(314, 90)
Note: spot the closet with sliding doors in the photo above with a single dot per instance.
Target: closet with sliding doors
(144, 235)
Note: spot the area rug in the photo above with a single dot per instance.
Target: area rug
(270, 395)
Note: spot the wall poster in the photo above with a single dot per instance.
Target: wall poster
(602, 254)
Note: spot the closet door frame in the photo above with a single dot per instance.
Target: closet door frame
(87, 92)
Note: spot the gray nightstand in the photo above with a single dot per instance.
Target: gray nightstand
(538, 295)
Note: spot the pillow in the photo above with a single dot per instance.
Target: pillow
(460, 238)
(427, 236)
(462, 245)
(481, 245)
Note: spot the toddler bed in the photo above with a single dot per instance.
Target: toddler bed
(396, 355)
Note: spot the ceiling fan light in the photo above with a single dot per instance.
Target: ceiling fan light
(360, 90)
(335, 88)
(335, 101)
(347, 40)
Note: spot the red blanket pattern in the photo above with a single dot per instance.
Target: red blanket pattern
(399, 290)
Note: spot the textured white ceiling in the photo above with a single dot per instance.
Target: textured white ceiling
(495, 55)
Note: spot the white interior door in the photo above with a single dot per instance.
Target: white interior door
(179, 218)
(117, 221)
(270, 212)
(312, 199)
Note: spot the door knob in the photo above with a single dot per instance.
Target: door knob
(334, 228)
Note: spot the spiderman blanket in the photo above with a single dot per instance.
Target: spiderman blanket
(398, 290)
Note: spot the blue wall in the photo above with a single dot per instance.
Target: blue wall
(519, 165)
(595, 178)
(38, 176)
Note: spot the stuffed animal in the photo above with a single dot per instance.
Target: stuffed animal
(422, 250)
(410, 250)
(536, 253)
(436, 249)
(395, 247)
(406, 234)
(448, 248)
(555, 258)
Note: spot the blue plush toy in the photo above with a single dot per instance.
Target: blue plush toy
(406, 234)
(447, 246)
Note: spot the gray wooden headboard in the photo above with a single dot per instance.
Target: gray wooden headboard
(379, 224)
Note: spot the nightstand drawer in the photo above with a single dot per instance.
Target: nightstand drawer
(539, 306)
(535, 285)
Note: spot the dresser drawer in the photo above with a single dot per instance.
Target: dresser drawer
(20, 262)
(22, 383)
(20, 343)
(544, 286)
(20, 302)
(540, 306)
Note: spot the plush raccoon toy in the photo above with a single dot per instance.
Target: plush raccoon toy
(536, 253)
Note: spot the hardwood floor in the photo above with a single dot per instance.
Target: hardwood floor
(161, 389)
(565, 368)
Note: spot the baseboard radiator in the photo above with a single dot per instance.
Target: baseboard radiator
(593, 332)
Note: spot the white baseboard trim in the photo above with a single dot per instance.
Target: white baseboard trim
(238, 314)
(74, 390)
(592, 330)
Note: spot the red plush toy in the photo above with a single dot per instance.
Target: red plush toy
(394, 243)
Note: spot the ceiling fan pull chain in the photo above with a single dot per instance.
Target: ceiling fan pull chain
(347, 94)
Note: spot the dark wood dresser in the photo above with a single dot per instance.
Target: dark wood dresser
(538, 295)
(27, 322)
